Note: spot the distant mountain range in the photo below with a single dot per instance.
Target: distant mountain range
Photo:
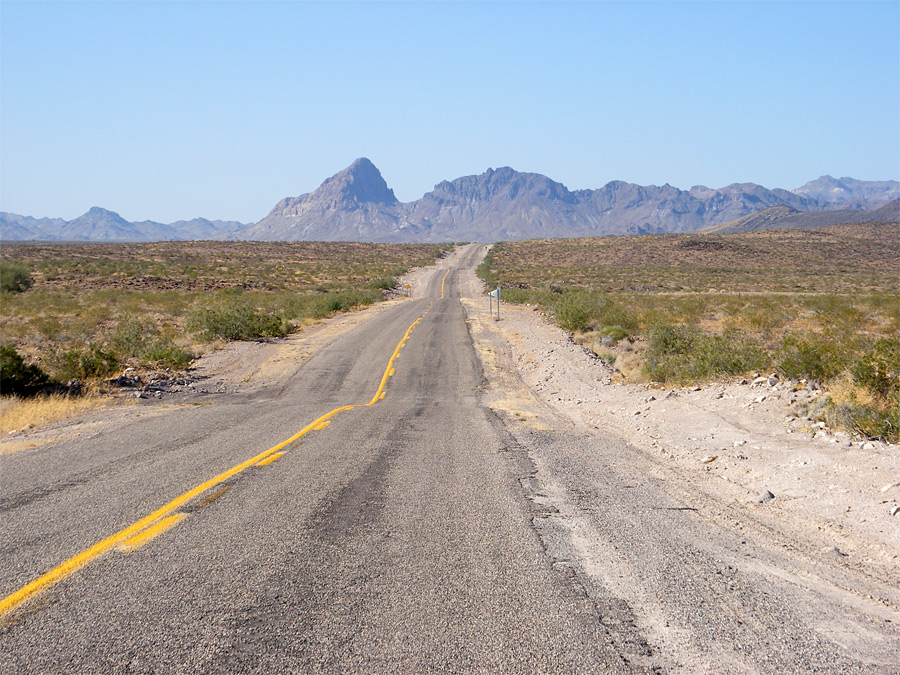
(356, 204)
(102, 225)
(786, 218)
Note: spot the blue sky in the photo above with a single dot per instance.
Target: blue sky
(171, 110)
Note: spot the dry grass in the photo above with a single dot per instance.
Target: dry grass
(840, 259)
(844, 391)
(17, 414)
(811, 304)
(95, 308)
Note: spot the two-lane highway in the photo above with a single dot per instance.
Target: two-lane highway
(366, 517)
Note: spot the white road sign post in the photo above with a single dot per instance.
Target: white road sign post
(494, 294)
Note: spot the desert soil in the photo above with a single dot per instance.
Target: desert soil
(730, 441)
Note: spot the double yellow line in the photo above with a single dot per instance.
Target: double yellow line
(163, 518)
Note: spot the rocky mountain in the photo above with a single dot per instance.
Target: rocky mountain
(14, 227)
(850, 193)
(356, 204)
(99, 224)
(503, 204)
(353, 205)
(786, 218)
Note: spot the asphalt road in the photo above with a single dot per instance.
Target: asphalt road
(417, 532)
(396, 538)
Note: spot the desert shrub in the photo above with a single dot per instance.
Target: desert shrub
(83, 364)
(531, 296)
(235, 321)
(164, 352)
(764, 314)
(610, 313)
(684, 354)
(15, 277)
(18, 378)
(815, 357)
(574, 310)
(878, 369)
(292, 305)
(485, 270)
(869, 421)
(132, 336)
(613, 334)
(329, 303)
(836, 309)
(382, 284)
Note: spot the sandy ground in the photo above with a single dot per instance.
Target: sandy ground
(732, 442)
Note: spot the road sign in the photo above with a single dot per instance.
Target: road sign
(494, 294)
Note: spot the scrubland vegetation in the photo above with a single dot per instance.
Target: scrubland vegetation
(86, 311)
(819, 305)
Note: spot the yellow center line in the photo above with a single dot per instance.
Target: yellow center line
(442, 283)
(272, 458)
(150, 533)
(76, 562)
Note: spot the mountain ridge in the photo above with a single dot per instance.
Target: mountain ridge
(356, 204)
(99, 224)
(505, 204)
(786, 218)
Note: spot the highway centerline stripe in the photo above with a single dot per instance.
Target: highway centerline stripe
(272, 458)
(76, 562)
(442, 283)
(151, 532)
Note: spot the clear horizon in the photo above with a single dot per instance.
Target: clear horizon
(170, 111)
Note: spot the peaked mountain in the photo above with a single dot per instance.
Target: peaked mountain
(100, 224)
(850, 193)
(503, 204)
(353, 205)
(786, 218)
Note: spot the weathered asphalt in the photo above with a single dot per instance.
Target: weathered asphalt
(398, 538)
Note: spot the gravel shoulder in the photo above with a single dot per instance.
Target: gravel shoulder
(778, 507)
(734, 442)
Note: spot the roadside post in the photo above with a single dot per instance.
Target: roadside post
(494, 294)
